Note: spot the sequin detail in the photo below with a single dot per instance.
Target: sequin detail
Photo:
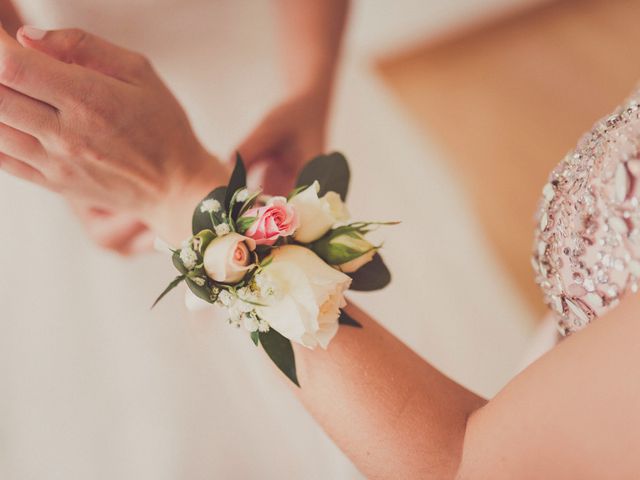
(587, 241)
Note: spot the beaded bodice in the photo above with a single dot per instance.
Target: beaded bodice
(587, 242)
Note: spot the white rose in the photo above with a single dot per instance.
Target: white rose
(227, 258)
(317, 215)
(307, 296)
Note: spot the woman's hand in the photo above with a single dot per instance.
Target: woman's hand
(288, 136)
(117, 232)
(108, 134)
(294, 132)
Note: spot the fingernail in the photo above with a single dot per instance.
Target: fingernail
(33, 33)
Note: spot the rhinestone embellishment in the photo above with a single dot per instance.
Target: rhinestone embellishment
(587, 241)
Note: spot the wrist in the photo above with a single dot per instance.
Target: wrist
(171, 217)
(318, 90)
(315, 80)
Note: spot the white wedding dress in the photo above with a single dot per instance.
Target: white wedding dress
(95, 386)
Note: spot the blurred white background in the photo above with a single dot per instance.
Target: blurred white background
(94, 385)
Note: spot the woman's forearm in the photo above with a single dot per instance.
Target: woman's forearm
(392, 413)
(171, 218)
(9, 17)
(311, 35)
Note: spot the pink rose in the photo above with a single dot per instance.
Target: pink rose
(276, 219)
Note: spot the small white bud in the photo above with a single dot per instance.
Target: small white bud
(225, 298)
(189, 258)
(263, 326)
(210, 205)
(242, 195)
(222, 229)
(250, 323)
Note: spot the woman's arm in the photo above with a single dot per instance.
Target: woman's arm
(311, 35)
(391, 412)
(294, 131)
(572, 414)
(9, 17)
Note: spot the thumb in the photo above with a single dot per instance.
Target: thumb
(76, 46)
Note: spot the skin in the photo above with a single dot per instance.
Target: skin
(114, 231)
(572, 414)
(289, 135)
(295, 130)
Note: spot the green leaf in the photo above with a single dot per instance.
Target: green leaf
(346, 319)
(371, 276)
(201, 292)
(244, 223)
(202, 240)
(331, 171)
(171, 286)
(248, 203)
(280, 351)
(175, 258)
(237, 181)
(255, 337)
(202, 220)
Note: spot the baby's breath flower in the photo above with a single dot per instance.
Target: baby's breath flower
(225, 298)
(264, 284)
(235, 314)
(263, 326)
(244, 307)
(248, 294)
(250, 322)
(242, 195)
(188, 257)
(210, 205)
(199, 281)
(222, 229)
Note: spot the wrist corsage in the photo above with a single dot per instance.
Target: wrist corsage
(280, 265)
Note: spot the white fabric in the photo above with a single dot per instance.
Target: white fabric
(95, 386)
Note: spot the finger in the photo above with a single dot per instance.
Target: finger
(21, 170)
(143, 242)
(21, 146)
(118, 234)
(259, 144)
(77, 46)
(42, 77)
(27, 114)
(113, 231)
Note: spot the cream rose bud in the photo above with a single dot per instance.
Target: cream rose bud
(354, 244)
(357, 263)
(306, 296)
(227, 258)
(317, 215)
(345, 248)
